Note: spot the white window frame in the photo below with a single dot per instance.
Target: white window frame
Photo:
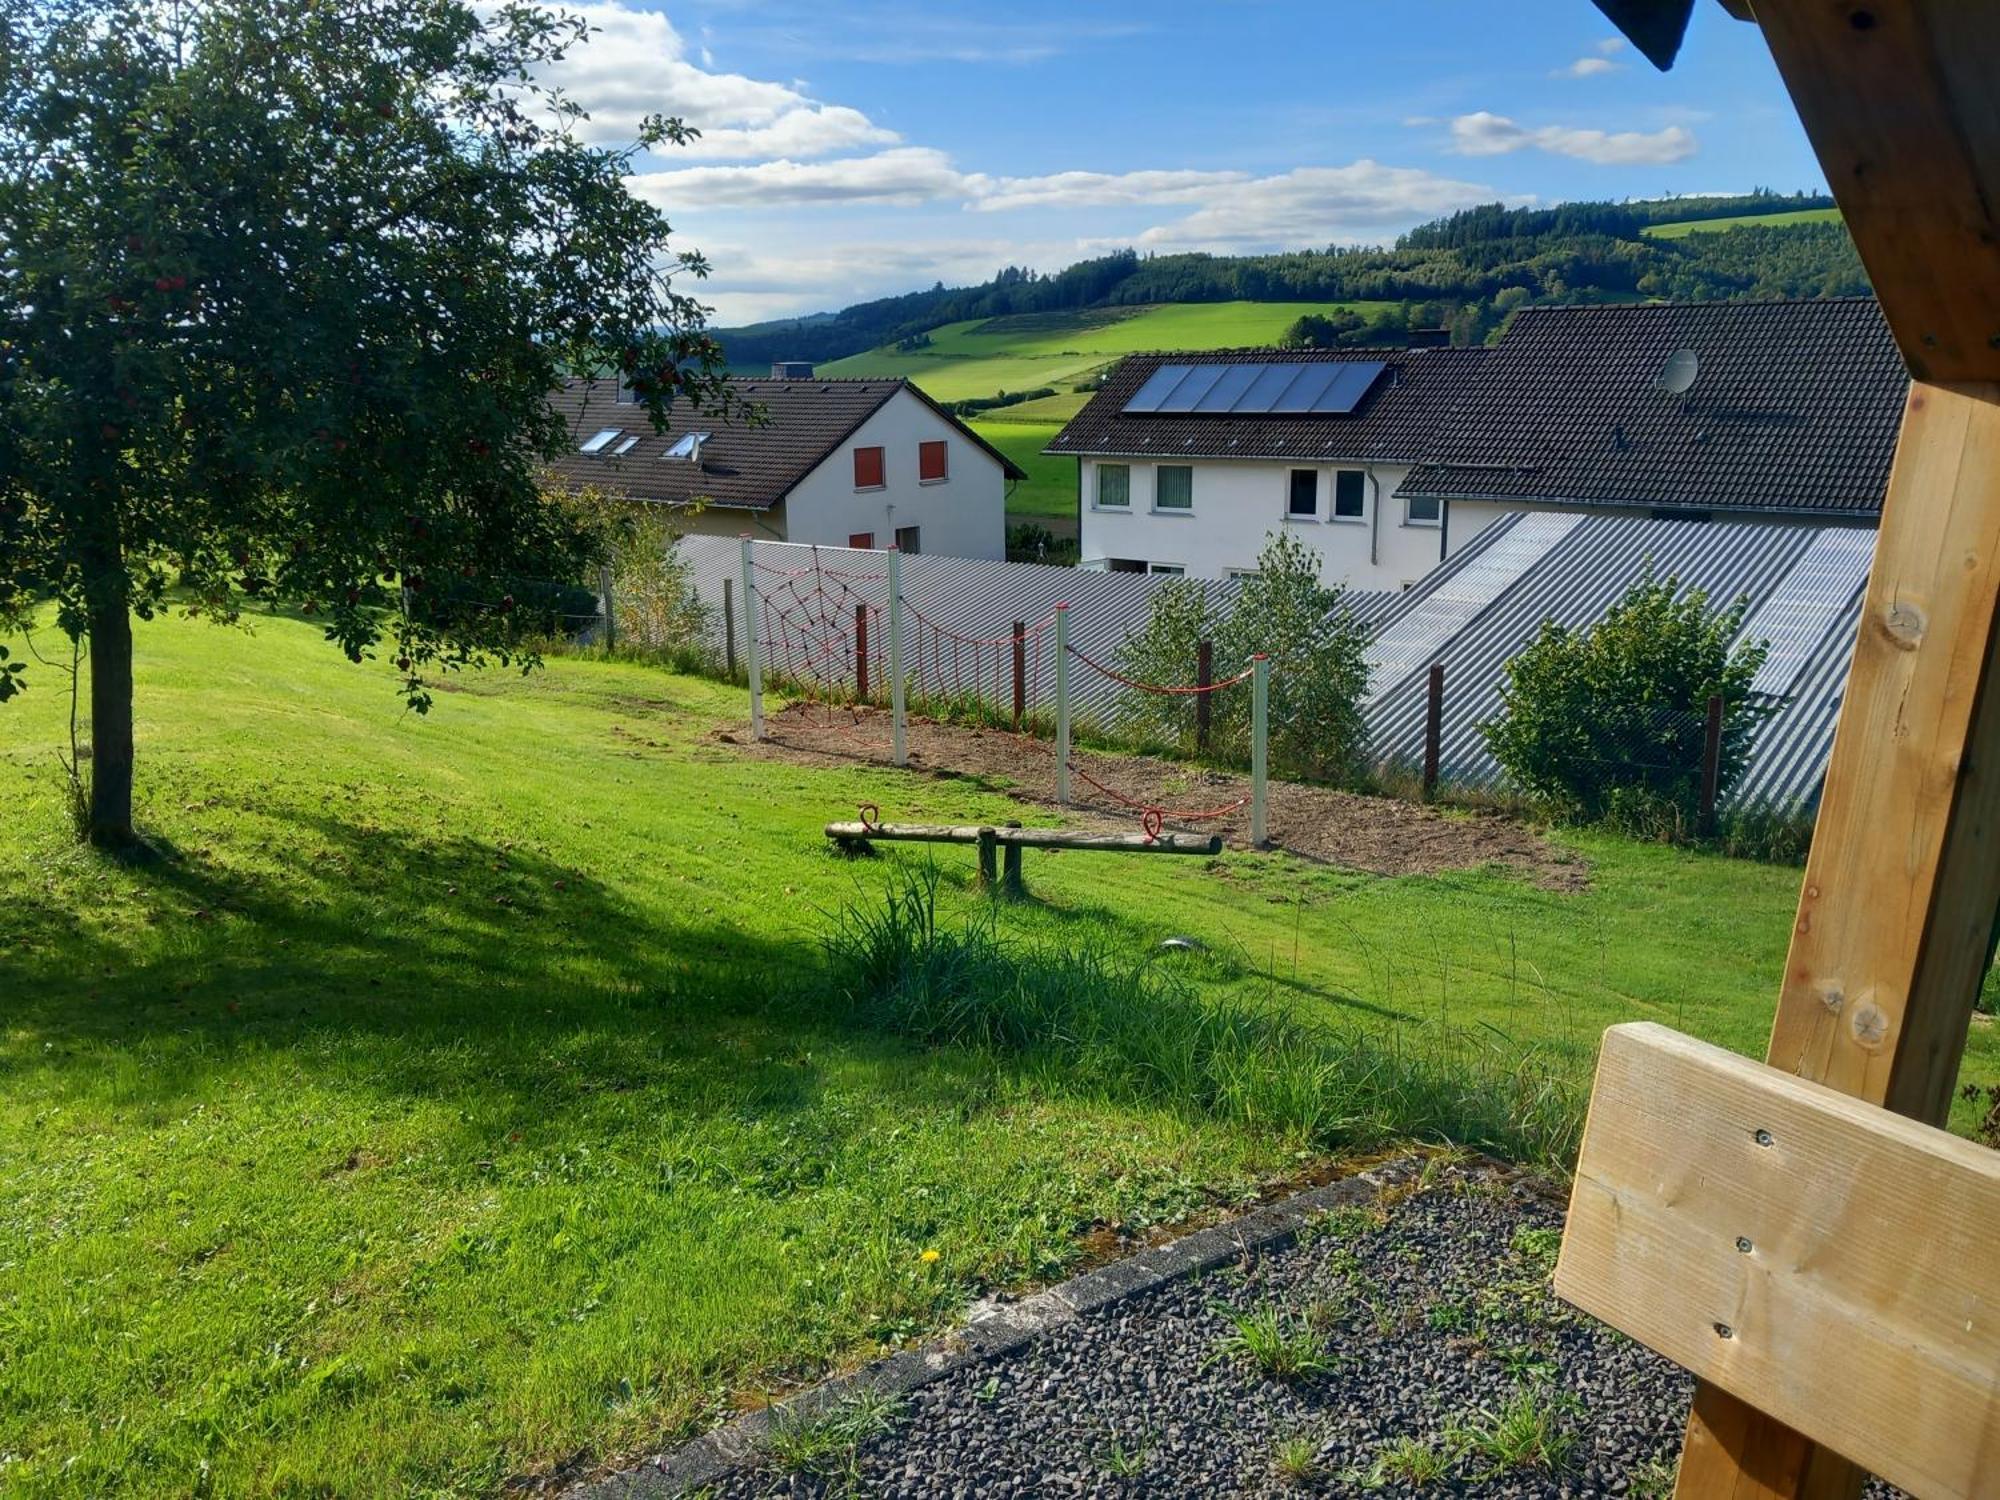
(1097, 500)
(945, 477)
(598, 441)
(1411, 518)
(1333, 502)
(1302, 516)
(1159, 470)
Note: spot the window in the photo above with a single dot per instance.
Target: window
(1349, 502)
(933, 462)
(1114, 485)
(1174, 568)
(599, 441)
(1423, 510)
(1173, 487)
(626, 446)
(909, 539)
(626, 395)
(1304, 499)
(1124, 565)
(1242, 573)
(687, 446)
(862, 539)
(868, 469)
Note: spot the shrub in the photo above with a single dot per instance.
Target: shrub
(1318, 670)
(1608, 724)
(652, 588)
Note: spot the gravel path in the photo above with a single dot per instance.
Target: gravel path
(1436, 1362)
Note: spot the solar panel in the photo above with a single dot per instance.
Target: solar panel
(1354, 381)
(1156, 388)
(1288, 388)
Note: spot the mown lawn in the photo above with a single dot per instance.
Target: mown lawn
(1717, 226)
(463, 1096)
(1049, 491)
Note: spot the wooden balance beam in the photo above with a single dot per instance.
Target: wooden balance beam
(857, 836)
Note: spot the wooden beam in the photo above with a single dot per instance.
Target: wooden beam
(1899, 101)
(1028, 838)
(1824, 1260)
(1896, 912)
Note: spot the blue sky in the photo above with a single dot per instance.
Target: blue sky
(855, 150)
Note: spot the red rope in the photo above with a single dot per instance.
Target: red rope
(1153, 687)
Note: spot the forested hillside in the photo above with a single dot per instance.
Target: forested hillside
(1464, 271)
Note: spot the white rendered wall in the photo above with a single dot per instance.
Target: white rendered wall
(1239, 503)
(964, 515)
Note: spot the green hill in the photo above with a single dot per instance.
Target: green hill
(1742, 221)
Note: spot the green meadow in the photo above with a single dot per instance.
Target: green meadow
(456, 1098)
(1716, 226)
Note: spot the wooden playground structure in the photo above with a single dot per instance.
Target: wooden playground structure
(1801, 1234)
(991, 840)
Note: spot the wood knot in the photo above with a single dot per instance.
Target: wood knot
(1869, 1025)
(1832, 998)
(1904, 625)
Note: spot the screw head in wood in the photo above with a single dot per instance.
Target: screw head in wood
(1724, 1331)
(1762, 1137)
(1743, 1245)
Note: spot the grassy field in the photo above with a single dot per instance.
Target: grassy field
(1714, 226)
(986, 356)
(467, 1095)
(1049, 491)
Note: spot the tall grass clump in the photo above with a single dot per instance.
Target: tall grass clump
(1083, 1017)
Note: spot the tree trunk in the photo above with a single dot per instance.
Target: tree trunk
(110, 624)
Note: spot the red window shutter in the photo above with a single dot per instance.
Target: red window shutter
(933, 461)
(868, 469)
(862, 539)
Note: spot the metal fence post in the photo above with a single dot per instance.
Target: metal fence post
(1711, 764)
(1062, 704)
(898, 734)
(1260, 735)
(750, 653)
(729, 628)
(1433, 730)
(1020, 675)
(861, 653)
(610, 606)
(1204, 675)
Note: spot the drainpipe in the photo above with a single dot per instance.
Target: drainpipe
(1374, 517)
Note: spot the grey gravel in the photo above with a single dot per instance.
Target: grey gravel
(1433, 1309)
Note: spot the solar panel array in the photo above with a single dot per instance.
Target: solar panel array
(1330, 388)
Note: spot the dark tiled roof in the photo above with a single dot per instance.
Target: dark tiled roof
(1392, 423)
(1795, 408)
(744, 466)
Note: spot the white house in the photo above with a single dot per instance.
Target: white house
(840, 463)
(1389, 461)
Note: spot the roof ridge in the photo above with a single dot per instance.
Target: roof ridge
(1686, 304)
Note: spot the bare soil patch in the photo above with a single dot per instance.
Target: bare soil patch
(1378, 835)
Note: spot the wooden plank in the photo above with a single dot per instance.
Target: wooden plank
(1897, 97)
(1031, 838)
(1897, 906)
(1826, 1260)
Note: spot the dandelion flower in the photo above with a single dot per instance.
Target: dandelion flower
(928, 1257)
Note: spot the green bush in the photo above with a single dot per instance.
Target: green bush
(1608, 724)
(1318, 670)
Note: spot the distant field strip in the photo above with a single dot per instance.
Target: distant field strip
(1716, 226)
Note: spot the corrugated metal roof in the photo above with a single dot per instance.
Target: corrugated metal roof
(1574, 582)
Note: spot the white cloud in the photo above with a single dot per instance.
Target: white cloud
(1610, 46)
(1488, 134)
(1363, 200)
(1096, 189)
(635, 64)
(907, 174)
(1588, 67)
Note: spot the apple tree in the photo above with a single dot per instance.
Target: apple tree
(284, 288)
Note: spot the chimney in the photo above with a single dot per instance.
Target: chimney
(792, 369)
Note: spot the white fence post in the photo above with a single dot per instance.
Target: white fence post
(896, 687)
(1260, 736)
(1062, 704)
(752, 658)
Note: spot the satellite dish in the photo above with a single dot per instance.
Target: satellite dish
(1678, 373)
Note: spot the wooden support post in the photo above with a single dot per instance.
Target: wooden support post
(1896, 917)
(1711, 765)
(1020, 674)
(989, 864)
(729, 628)
(1011, 882)
(1204, 675)
(861, 652)
(1433, 729)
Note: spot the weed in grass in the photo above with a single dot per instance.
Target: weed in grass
(1295, 1460)
(1120, 1461)
(1527, 1433)
(1408, 1460)
(1284, 1349)
(1352, 1219)
(1654, 1480)
(1445, 1316)
(825, 1443)
(1323, 1313)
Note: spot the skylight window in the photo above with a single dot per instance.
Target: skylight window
(600, 441)
(626, 447)
(688, 445)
